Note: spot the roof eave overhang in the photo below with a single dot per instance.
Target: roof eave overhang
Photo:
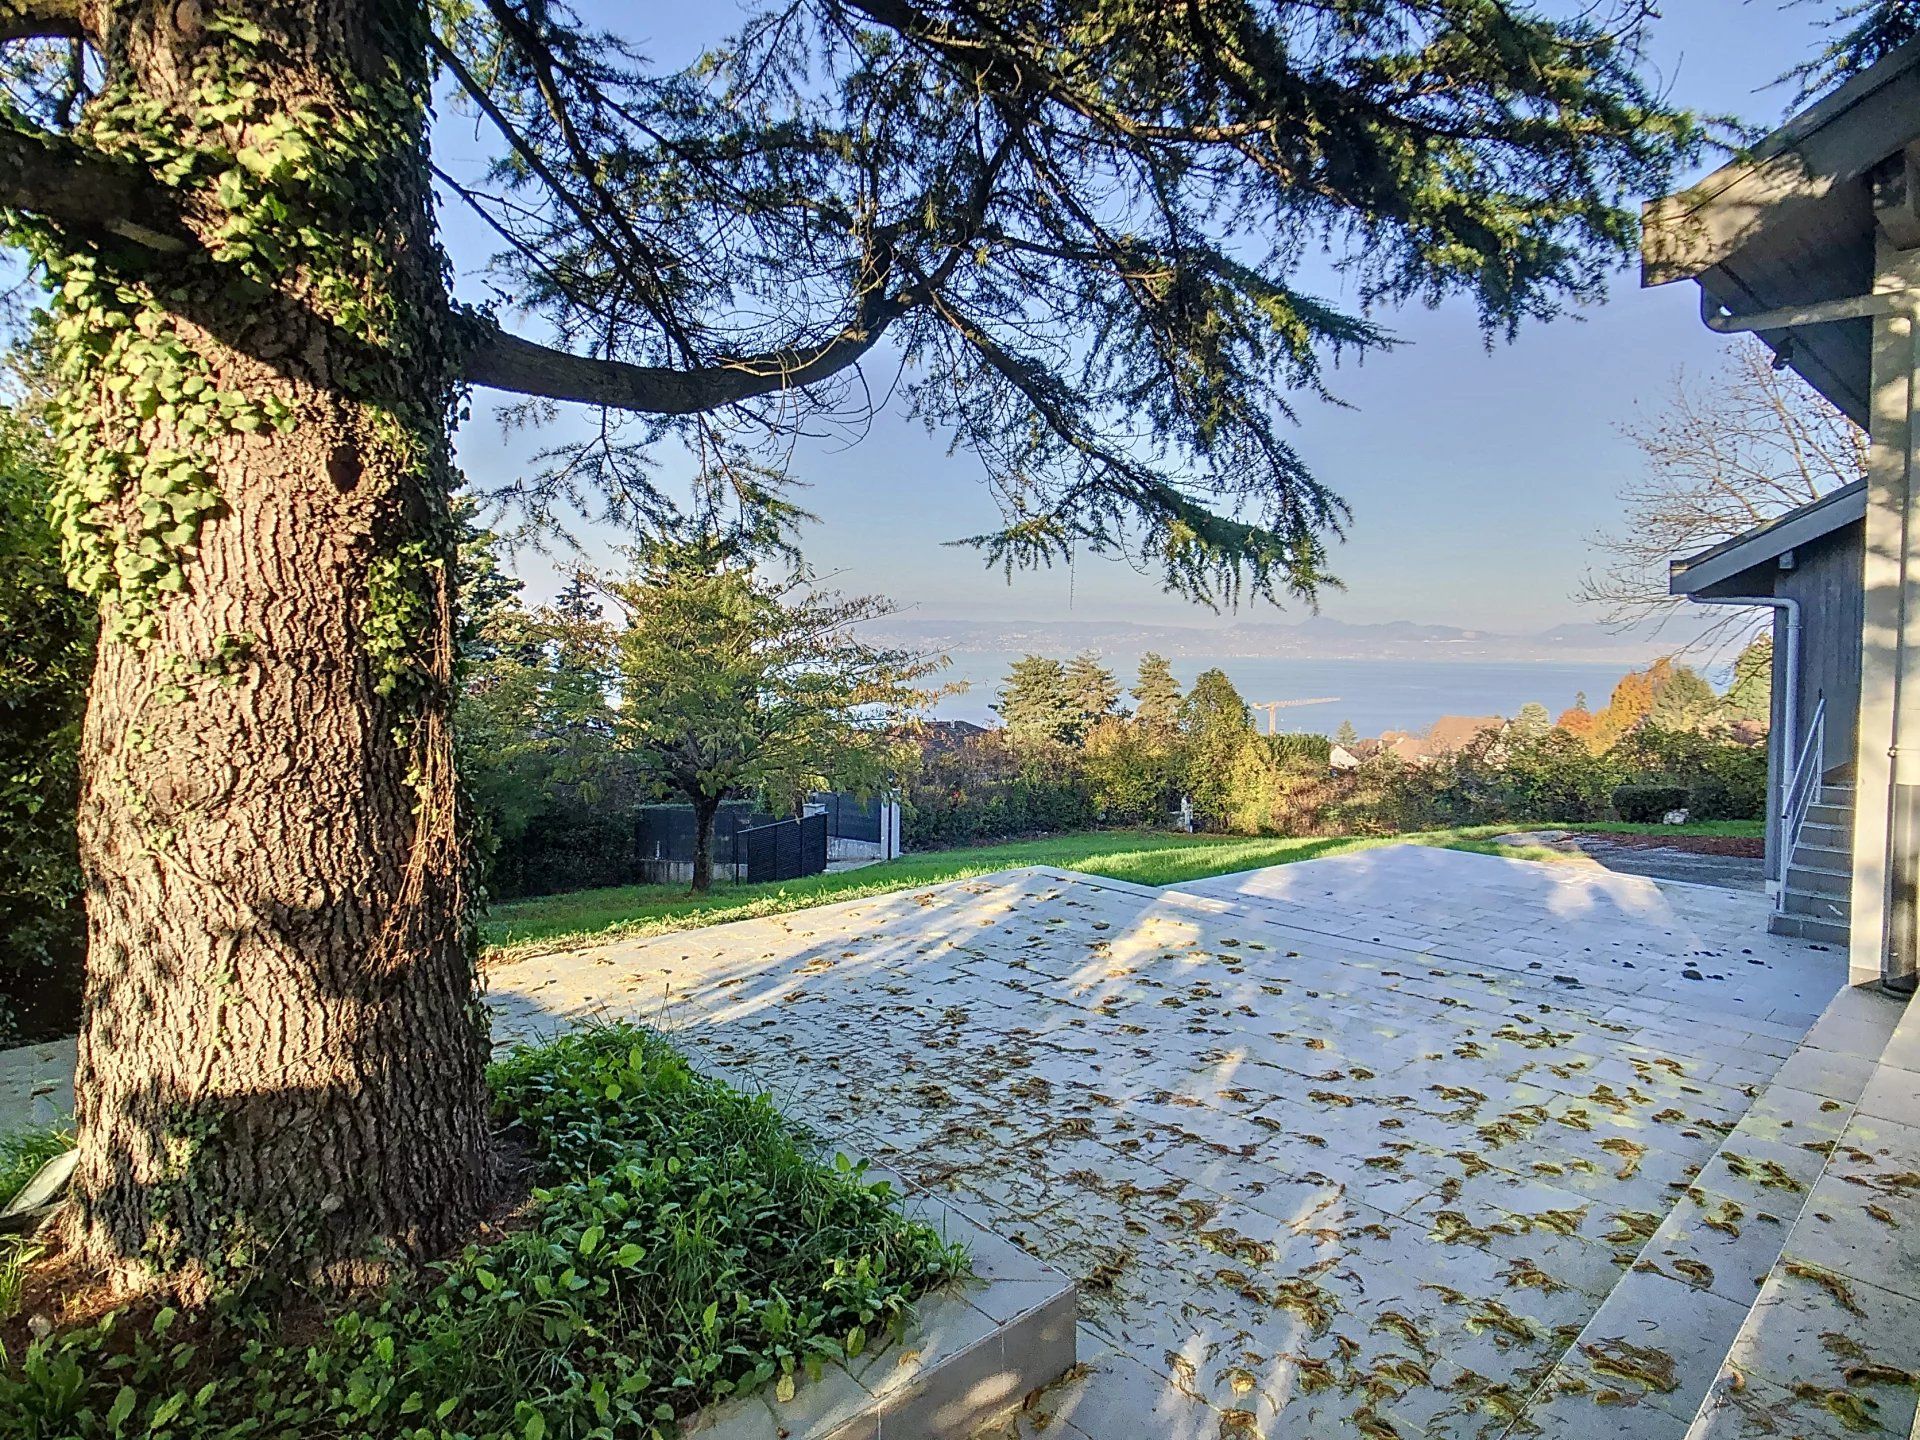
(1792, 222)
(1698, 574)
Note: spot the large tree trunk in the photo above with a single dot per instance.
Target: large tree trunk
(703, 815)
(281, 1065)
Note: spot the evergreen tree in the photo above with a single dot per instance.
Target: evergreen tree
(1346, 737)
(1750, 696)
(1215, 725)
(535, 726)
(1863, 32)
(1213, 705)
(44, 662)
(1036, 706)
(497, 723)
(1684, 701)
(577, 675)
(1094, 690)
(1156, 694)
(1533, 721)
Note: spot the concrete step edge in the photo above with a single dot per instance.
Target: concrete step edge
(1714, 1418)
(1606, 1322)
(1811, 928)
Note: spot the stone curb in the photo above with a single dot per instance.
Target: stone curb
(974, 1352)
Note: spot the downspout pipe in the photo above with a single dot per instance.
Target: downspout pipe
(1789, 608)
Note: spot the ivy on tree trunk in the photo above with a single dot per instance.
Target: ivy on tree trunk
(282, 1060)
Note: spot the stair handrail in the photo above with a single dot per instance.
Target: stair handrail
(1802, 785)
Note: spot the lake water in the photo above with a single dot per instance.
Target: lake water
(1375, 695)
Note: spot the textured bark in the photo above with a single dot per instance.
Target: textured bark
(281, 1065)
(704, 812)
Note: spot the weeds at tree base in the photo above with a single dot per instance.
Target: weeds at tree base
(682, 1244)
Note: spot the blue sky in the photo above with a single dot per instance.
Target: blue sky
(1476, 477)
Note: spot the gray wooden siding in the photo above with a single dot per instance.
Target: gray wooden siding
(1826, 580)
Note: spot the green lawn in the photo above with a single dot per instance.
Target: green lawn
(551, 922)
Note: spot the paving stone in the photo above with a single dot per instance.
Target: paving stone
(1118, 1395)
(1582, 1404)
(1833, 1075)
(1748, 1408)
(1838, 1232)
(1846, 1351)
(1659, 1339)
(36, 1085)
(1714, 1243)
(1311, 1166)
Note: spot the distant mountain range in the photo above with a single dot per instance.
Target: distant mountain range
(1314, 638)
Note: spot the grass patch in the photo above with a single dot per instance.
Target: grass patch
(550, 922)
(683, 1245)
(21, 1156)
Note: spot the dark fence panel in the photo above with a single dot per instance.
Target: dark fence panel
(665, 832)
(784, 850)
(813, 844)
(851, 819)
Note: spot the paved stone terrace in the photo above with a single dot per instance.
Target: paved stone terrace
(1351, 1148)
(36, 1085)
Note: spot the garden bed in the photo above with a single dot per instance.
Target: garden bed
(681, 1244)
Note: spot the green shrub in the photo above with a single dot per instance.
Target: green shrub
(575, 848)
(45, 663)
(1302, 753)
(684, 1246)
(1733, 785)
(1132, 771)
(986, 789)
(1648, 804)
(1724, 780)
(1553, 776)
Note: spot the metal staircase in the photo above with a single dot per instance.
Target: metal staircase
(1814, 901)
(1814, 897)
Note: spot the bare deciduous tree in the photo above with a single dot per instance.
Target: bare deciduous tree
(1722, 455)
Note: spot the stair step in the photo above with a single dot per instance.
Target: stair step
(1819, 929)
(1819, 880)
(1823, 813)
(1829, 837)
(1837, 1310)
(1809, 852)
(1800, 901)
(1820, 907)
(1681, 1307)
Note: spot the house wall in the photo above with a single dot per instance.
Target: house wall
(1826, 580)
